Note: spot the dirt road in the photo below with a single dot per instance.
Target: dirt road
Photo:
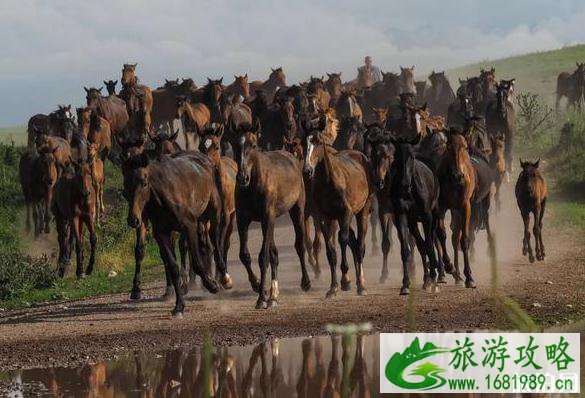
(86, 330)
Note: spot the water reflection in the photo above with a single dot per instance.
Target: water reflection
(328, 366)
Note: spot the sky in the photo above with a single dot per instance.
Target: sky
(52, 48)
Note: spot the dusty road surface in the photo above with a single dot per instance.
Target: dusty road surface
(87, 330)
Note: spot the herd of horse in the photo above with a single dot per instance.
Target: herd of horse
(334, 155)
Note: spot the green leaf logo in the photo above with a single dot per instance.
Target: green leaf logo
(429, 371)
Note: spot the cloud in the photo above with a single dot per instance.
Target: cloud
(52, 49)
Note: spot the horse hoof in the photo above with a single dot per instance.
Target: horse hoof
(255, 285)
(362, 291)
(524, 251)
(211, 285)
(135, 295)
(177, 314)
(426, 286)
(331, 293)
(404, 291)
(226, 282)
(169, 294)
(345, 284)
(261, 304)
(435, 288)
(448, 267)
(470, 284)
(531, 258)
(441, 279)
(81, 276)
(272, 303)
(306, 285)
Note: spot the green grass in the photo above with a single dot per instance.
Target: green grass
(535, 72)
(568, 214)
(13, 134)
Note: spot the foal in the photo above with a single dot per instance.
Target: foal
(531, 193)
(340, 190)
(268, 185)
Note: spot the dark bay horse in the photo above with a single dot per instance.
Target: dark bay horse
(240, 87)
(316, 87)
(164, 101)
(457, 179)
(59, 123)
(347, 105)
(269, 184)
(340, 190)
(138, 98)
(531, 194)
(96, 130)
(111, 86)
(113, 109)
(334, 86)
(278, 122)
(572, 86)
(276, 80)
(194, 116)
(500, 118)
(381, 95)
(350, 135)
(74, 205)
(440, 94)
(176, 194)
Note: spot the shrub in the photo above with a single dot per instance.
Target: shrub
(20, 273)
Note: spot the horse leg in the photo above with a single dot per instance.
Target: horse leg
(420, 245)
(92, 245)
(386, 228)
(508, 142)
(28, 213)
(540, 217)
(197, 263)
(316, 246)
(442, 237)
(217, 234)
(526, 247)
(455, 242)
(185, 271)
(438, 248)
(37, 219)
(308, 245)
(405, 253)
(343, 236)
(535, 232)
(328, 232)
(63, 238)
(464, 232)
(136, 294)
(373, 216)
(166, 252)
(264, 258)
(362, 228)
(243, 224)
(274, 292)
(227, 236)
(298, 219)
(429, 231)
(78, 234)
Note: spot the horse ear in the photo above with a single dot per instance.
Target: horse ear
(272, 69)
(209, 81)
(106, 83)
(220, 80)
(536, 164)
(246, 75)
(100, 89)
(328, 74)
(412, 67)
(339, 74)
(86, 89)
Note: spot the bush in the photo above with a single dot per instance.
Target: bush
(20, 273)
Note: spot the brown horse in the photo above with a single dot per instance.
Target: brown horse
(138, 98)
(497, 161)
(240, 87)
(340, 190)
(179, 194)
(572, 86)
(58, 147)
(421, 91)
(226, 170)
(348, 105)
(500, 118)
(407, 80)
(316, 87)
(531, 194)
(164, 144)
(112, 108)
(334, 86)
(381, 95)
(440, 94)
(380, 115)
(489, 85)
(194, 116)
(269, 184)
(98, 177)
(96, 130)
(164, 101)
(278, 122)
(74, 206)
(457, 178)
(276, 80)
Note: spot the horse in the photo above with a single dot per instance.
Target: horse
(572, 86)
(440, 94)
(268, 184)
(111, 86)
(164, 102)
(226, 169)
(179, 194)
(350, 135)
(340, 190)
(334, 86)
(96, 130)
(37, 175)
(407, 80)
(74, 205)
(348, 105)
(379, 116)
(276, 80)
(112, 109)
(316, 87)
(194, 116)
(58, 147)
(240, 87)
(497, 162)
(236, 114)
(489, 85)
(421, 90)
(278, 121)
(59, 123)
(500, 118)
(531, 194)
(164, 144)
(457, 179)
(138, 98)
(381, 95)
(98, 178)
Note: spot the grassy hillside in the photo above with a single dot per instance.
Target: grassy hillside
(536, 72)
(16, 134)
